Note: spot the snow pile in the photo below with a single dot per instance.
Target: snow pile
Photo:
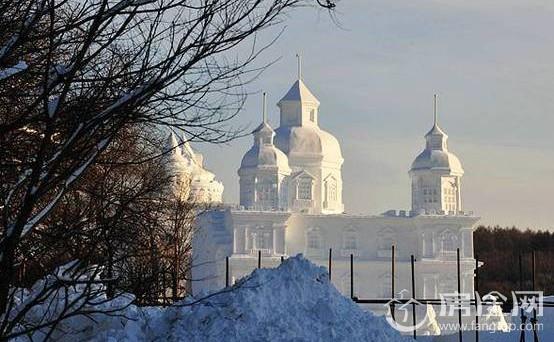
(293, 302)
(65, 292)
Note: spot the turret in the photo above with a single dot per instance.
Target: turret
(263, 171)
(314, 155)
(436, 174)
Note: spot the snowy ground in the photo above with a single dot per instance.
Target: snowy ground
(293, 302)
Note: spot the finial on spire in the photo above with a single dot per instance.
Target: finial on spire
(264, 108)
(299, 60)
(435, 120)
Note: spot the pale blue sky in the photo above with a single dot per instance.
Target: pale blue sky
(491, 62)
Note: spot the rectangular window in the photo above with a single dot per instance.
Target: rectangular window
(305, 189)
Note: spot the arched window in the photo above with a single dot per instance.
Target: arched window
(331, 191)
(304, 189)
(266, 193)
(448, 242)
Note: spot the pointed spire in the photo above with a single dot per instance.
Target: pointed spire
(436, 138)
(299, 61)
(299, 91)
(186, 149)
(435, 129)
(171, 145)
(435, 120)
(264, 108)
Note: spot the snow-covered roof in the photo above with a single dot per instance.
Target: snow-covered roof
(265, 156)
(263, 152)
(299, 92)
(301, 173)
(435, 130)
(438, 160)
(436, 156)
(184, 161)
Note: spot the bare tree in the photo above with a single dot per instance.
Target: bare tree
(75, 74)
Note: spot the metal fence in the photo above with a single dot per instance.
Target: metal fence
(392, 301)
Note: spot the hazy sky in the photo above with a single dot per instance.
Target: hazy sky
(490, 61)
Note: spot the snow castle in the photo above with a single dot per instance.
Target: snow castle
(291, 202)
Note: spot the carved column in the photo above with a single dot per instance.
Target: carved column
(428, 244)
(239, 245)
(247, 234)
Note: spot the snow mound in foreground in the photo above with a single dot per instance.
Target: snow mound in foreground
(293, 302)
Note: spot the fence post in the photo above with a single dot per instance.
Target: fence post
(459, 295)
(520, 272)
(226, 271)
(393, 295)
(413, 296)
(522, 317)
(260, 258)
(352, 276)
(330, 264)
(534, 322)
(476, 295)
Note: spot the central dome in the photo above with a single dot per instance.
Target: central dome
(309, 141)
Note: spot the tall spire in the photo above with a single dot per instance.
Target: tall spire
(435, 120)
(299, 61)
(264, 108)
(436, 138)
(299, 92)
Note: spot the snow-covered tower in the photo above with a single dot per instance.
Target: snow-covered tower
(314, 155)
(187, 167)
(263, 171)
(436, 174)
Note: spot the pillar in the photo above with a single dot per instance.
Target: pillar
(239, 243)
(279, 239)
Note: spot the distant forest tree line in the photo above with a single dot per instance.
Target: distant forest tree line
(499, 249)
